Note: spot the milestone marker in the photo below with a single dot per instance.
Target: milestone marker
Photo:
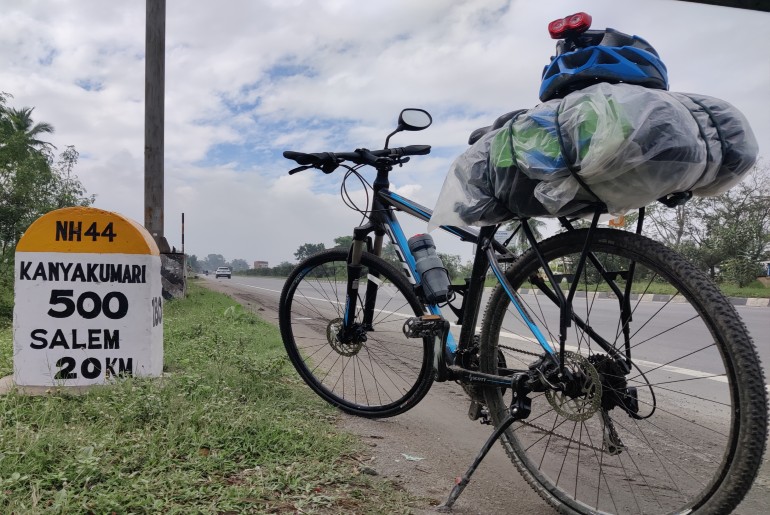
(88, 300)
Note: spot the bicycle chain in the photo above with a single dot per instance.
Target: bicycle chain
(522, 351)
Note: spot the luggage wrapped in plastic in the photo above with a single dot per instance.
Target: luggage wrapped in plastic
(617, 144)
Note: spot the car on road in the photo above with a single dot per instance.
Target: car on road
(223, 271)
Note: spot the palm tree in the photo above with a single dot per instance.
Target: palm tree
(17, 127)
(520, 243)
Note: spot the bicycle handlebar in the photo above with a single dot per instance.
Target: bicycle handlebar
(328, 161)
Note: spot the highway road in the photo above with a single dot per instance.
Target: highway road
(695, 373)
(757, 320)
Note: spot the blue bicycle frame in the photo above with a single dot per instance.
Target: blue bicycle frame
(383, 215)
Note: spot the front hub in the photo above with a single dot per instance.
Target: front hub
(345, 343)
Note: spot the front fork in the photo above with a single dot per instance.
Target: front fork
(361, 242)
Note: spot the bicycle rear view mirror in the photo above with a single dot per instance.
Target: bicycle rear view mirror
(411, 119)
(414, 120)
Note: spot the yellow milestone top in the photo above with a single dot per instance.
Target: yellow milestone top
(87, 230)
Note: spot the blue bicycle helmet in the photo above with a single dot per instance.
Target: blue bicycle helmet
(593, 56)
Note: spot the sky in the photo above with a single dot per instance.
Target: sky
(248, 79)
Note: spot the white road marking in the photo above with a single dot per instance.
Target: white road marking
(258, 288)
(651, 364)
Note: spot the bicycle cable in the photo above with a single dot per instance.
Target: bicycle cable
(346, 195)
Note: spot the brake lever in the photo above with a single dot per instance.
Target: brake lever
(328, 168)
(299, 169)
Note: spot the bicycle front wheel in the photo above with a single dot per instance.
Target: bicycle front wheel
(683, 432)
(378, 372)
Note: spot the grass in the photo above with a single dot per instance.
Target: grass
(227, 430)
(753, 290)
(756, 289)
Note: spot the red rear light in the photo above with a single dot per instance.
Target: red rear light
(556, 28)
(570, 26)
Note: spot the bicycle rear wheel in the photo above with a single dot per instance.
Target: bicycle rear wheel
(697, 437)
(380, 372)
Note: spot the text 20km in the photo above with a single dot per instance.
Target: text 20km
(91, 368)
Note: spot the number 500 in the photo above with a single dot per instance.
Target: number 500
(114, 305)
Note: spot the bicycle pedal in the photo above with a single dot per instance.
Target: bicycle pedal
(478, 411)
(474, 411)
(426, 325)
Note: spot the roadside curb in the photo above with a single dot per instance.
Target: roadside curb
(757, 303)
(656, 297)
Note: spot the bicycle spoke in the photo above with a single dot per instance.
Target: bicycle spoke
(681, 390)
(363, 368)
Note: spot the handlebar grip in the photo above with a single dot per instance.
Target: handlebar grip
(416, 150)
(300, 157)
(317, 159)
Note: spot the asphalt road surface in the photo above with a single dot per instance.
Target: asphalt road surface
(427, 447)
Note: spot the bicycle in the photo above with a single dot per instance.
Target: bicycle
(606, 395)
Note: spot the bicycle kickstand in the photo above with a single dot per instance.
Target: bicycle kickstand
(520, 409)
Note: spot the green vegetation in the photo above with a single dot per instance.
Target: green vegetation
(753, 290)
(726, 235)
(226, 430)
(33, 181)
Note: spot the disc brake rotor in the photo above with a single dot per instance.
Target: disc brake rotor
(584, 405)
(345, 349)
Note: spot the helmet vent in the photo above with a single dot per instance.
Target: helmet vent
(633, 55)
(606, 58)
(575, 60)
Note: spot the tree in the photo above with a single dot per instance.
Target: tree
(239, 265)
(451, 263)
(17, 128)
(519, 243)
(730, 232)
(193, 263)
(465, 271)
(69, 191)
(282, 269)
(31, 184)
(214, 261)
(308, 249)
(343, 241)
(390, 255)
(668, 225)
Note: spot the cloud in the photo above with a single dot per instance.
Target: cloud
(246, 80)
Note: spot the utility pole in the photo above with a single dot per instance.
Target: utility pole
(154, 91)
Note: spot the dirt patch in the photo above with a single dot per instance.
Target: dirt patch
(427, 448)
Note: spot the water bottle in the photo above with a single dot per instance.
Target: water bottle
(435, 278)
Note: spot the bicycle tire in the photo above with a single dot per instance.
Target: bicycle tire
(702, 444)
(384, 375)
